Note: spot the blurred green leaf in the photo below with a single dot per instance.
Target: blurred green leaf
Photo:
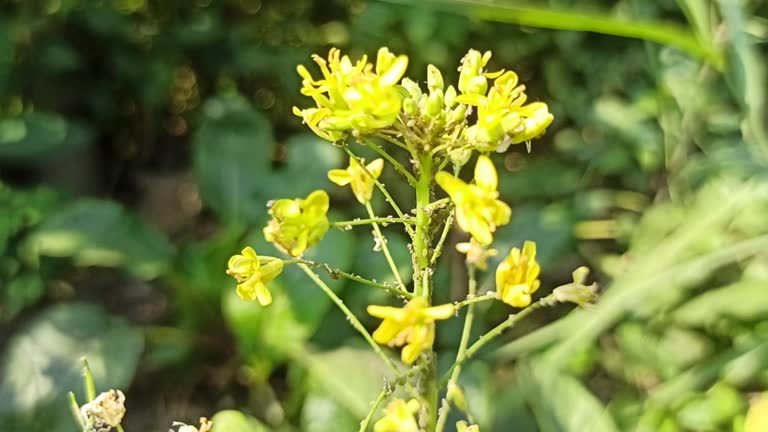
(101, 233)
(351, 377)
(308, 160)
(41, 363)
(745, 300)
(232, 157)
(235, 421)
(36, 135)
(322, 413)
(711, 411)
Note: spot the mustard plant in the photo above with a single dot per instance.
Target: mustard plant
(439, 129)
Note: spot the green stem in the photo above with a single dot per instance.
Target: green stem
(384, 248)
(383, 189)
(382, 220)
(453, 381)
(397, 165)
(74, 407)
(475, 299)
(120, 428)
(422, 285)
(389, 388)
(495, 332)
(443, 236)
(350, 317)
(90, 387)
(335, 273)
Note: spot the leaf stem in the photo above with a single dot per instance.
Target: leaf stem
(335, 273)
(382, 220)
(382, 241)
(470, 300)
(395, 164)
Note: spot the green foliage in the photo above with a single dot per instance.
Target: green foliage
(653, 173)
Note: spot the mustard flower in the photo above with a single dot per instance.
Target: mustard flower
(412, 326)
(462, 426)
(298, 224)
(252, 273)
(355, 176)
(517, 276)
(399, 417)
(477, 254)
(478, 210)
(352, 97)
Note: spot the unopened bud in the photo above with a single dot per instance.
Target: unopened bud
(434, 78)
(434, 105)
(477, 85)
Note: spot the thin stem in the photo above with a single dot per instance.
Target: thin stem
(383, 243)
(74, 407)
(397, 165)
(350, 317)
(470, 300)
(382, 220)
(383, 189)
(420, 241)
(389, 388)
(443, 236)
(335, 273)
(392, 140)
(468, 319)
(88, 385)
(494, 332)
(120, 428)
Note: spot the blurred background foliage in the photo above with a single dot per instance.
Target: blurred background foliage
(140, 141)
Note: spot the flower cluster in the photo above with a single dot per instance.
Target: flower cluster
(298, 224)
(352, 97)
(503, 118)
(252, 273)
(412, 326)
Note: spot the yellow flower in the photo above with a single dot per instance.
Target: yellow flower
(462, 426)
(517, 276)
(477, 254)
(352, 97)
(253, 272)
(355, 176)
(399, 417)
(478, 211)
(298, 224)
(502, 116)
(412, 326)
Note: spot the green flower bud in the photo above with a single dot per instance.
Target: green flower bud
(470, 68)
(457, 114)
(450, 97)
(434, 78)
(477, 85)
(410, 107)
(411, 87)
(434, 105)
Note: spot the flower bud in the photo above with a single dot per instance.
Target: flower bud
(456, 396)
(450, 96)
(434, 78)
(410, 107)
(434, 105)
(477, 85)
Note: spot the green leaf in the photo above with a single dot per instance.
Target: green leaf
(561, 403)
(308, 160)
(232, 157)
(351, 377)
(41, 364)
(35, 135)
(235, 421)
(320, 413)
(93, 232)
(746, 300)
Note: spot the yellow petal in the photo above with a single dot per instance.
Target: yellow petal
(440, 312)
(263, 295)
(317, 201)
(339, 176)
(395, 71)
(485, 174)
(386, 332)
(375, 167)
(410, 353)
(271, 268)
(384, 312)
(451, 185)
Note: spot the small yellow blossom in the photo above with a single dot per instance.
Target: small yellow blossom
(478, 210)
(352, 97)
(412, 326)
(477, 254)
(399, 417)
(517, 276)
(362, 184)
(252, 273)
(298, 224)
(757, 415)
(462, 426)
